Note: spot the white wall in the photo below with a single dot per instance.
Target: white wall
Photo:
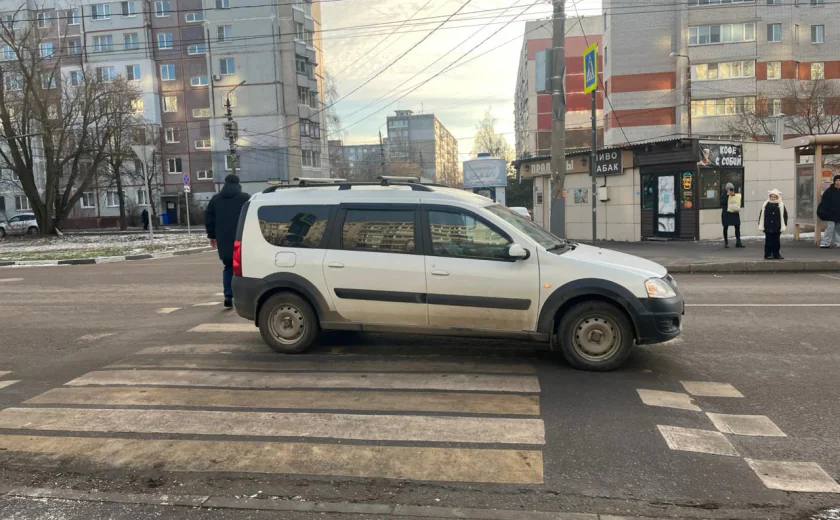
(617, 219)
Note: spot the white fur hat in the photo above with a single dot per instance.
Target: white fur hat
(775, 192)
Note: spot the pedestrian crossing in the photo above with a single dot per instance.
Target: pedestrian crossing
(214, 407)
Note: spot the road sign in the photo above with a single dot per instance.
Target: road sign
(590, 69)
(187, 179)
(187, 188)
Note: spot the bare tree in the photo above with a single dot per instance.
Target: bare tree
(53, 127)
(486, 139)
(332, 121)
(808, 108)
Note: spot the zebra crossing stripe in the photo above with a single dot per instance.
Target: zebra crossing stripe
(371, 400)
(408, 381)
(494, 466)
(205, 348)
(224, 327)
(3, 374)
(7, 384)
(417, 428)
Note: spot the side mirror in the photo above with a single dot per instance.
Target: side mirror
(517, 252)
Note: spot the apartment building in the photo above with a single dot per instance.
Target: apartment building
(694, 67)
(532, 108)
(189, 58)
(421, 141)
(357, 162)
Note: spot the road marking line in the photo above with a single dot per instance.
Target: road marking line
(391, 462)
(803, 477)
(7, 384)
(710, 389)
(206, 304)
(413, 428)
(830, 276)
(206, 349)
(667, 399)
(90, 338)
(762, 304)
(10, 280)
(371, 401)
(3, 374)
(199, 378)
(331, 364)
(699, 441)
(754, 425)
(224, 327)
(168, 310)
(219, 294)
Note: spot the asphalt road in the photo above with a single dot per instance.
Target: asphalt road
(197, 418)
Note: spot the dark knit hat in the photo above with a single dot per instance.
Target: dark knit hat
(232, 179)
(836, 178)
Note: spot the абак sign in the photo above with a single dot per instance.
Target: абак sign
(608, 162)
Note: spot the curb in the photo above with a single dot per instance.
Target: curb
(765, 266)
(102, 259)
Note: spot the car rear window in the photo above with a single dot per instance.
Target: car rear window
(294, 226)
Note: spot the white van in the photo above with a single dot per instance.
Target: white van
(403, 256)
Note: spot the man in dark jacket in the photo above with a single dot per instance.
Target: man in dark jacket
(829, 211)
(221, 219)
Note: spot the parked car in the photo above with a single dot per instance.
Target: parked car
(415, 258)
(23, 224)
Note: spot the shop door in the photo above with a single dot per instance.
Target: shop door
(666, 223)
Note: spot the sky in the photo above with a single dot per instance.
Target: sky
(374, 49)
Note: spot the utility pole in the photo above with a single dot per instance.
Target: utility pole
(557, 222)
(232, 130)
(381, 155)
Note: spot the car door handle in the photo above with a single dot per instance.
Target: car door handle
(336, 265)
(437, 272)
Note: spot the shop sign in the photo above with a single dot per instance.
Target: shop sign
(720, 156)
(608, 162)
(485, 173)
(688, 190)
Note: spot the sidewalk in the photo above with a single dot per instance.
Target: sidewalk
(711, 257)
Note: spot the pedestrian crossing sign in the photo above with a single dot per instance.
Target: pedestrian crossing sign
(590, 69)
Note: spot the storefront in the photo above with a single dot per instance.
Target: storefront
(668, 180)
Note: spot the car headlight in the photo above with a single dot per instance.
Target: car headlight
(659, 288)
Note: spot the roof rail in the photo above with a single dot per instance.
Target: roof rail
(347, 185)
(396, 178)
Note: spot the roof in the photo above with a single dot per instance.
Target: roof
(331, 194)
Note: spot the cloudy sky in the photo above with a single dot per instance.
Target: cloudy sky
(362, 37)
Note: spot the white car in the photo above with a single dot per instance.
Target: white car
(23, 224)
(402, 256)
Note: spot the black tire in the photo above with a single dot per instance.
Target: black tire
(2, 233)
(582, 329)
(288, 324)
(32, 231)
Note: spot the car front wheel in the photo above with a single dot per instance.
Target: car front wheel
(288, 324)
(2, 233)
(32, 231)
(595, 335)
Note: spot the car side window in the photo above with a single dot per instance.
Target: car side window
(381, 230)
(294, 226)
(461, 235)
(13, 220)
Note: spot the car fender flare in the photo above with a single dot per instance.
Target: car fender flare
(593, 287)
(279, 281)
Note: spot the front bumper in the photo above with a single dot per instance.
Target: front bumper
(661, 320)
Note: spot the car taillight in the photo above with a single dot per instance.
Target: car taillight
(237, 258)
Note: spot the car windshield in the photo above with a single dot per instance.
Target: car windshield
(536, 233)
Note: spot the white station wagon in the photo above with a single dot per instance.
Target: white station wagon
(410, 257)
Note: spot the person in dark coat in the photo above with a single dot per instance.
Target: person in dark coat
(829, 212)
(730, 204)
(772, 220)
(221, 219)
(144, 217)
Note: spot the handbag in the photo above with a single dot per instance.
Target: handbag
(733, 204)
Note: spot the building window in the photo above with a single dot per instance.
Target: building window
(204, 175)
(165, 41)
(48, 81)
(231, 161)
(174, 165)
(303, 95)
(9, 53)
(101, 11)
(774, 2)
(775, 107)
(88, 200)
(170, 104)
(721, 33)
(131, 41)
(74, 46)
(774, 70)
(194, 17)
(199, 81)
(142, 197)
(196, 49)
(74, 16)
(13, 81)
(112, 199)
(46, 49)
(224, 32)
(22, 203)
(227, 66)
(163, 8)
(129, 9)
(201, 113)
(818, 70)
(171, 135)
(202, 144)
(222, 4)
(724, 70)
(301, 65)
(300, 31)
(818, 3)
(313, 98)
(718, 2)
(167, 72)
(138, 106)
(818, 34)
(43, 19)
(132, 73)
(76, 78)
(774, 32)
(106, 74)
(712, 182)
(722, 106)
(103, 43)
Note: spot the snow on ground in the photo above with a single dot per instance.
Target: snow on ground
(89, 246)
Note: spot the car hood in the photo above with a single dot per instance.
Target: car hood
(615, 260)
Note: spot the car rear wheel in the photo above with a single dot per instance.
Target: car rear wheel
(2, 233)
(32, 231)
(288, 323)
(595, 335)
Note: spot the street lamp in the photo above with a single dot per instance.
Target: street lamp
(687, 86)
